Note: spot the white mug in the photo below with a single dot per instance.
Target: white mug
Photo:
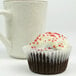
(24, 21)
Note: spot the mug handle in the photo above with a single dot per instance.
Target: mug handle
(7, 14)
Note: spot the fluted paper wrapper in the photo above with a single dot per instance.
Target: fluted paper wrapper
(48, 62)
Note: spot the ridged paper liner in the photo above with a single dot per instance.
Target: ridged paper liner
(42, 65)
(52, 54)
(48, 62)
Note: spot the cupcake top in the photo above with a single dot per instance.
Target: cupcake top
(49, 40)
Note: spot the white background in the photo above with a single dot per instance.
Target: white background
(61, 17)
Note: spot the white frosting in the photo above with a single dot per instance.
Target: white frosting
(52, 40)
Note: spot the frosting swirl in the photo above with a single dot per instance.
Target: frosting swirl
(50, 40)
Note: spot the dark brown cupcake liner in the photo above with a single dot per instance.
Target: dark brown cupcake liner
(45, 65)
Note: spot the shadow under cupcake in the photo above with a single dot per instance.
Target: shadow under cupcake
(48, 53)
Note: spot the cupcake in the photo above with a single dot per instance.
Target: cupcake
(48, 53)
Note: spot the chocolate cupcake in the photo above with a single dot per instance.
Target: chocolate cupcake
(48, 53)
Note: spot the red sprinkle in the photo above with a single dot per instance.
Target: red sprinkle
(57, 33)
(62, 36)
(49, 39)
(31, 46)
(43, 35)
(59, 45)
(62, 46)
(59, 36)
(39, 35)
(29, 43)
(33, 42)
(53, 35)
(40, 39)
(37, 43)
(45, 48)
(54, 46)
(49, 47)
(56, 38)
(48, 33)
